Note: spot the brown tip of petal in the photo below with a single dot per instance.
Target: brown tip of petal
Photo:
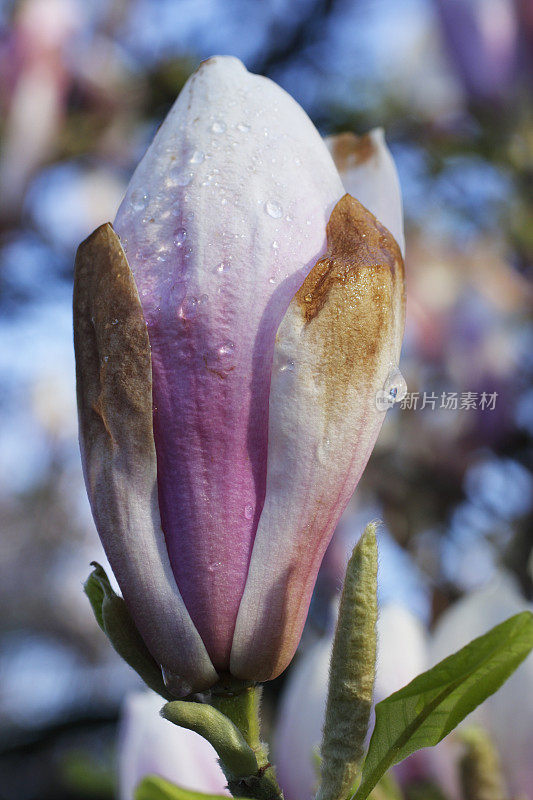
(354, 295)
(356, 241)
(349, 150)
(113, 369)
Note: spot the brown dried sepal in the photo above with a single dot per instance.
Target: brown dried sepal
(113, 366)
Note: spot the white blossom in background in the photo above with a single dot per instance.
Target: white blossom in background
(150, 745)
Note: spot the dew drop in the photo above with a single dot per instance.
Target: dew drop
(114, 322)
(139, 200)
(395, 385)
(226, 349)
(288, 366)
(394, 390)
(243, 127)
(183, 178)
(197, 157)
(308, 298)
(179, 238)
(275, 245)
(218, 126)
(273, 209)
(248, 511)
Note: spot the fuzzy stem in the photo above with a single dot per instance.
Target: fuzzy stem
(480, 773)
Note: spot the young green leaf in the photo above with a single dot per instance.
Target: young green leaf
(114, 619)
(156, 788)
(434, 703)
(237, 757)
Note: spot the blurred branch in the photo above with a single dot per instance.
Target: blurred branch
(288, 43)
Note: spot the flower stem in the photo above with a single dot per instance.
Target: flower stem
(242, 708)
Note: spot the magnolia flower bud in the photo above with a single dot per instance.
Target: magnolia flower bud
(230, 346)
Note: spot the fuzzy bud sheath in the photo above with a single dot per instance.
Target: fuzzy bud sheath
(352, 671)
(480, 773)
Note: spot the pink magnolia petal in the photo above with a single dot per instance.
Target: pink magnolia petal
(221, 223)
(369, 174)
(334, 350)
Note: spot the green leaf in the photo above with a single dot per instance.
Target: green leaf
(155, 788)
(114, 619)
(94, 589)
(236, 756)
(434, 703)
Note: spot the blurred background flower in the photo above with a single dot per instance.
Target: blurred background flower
(150, 745)
(502, 715)
(83, 86)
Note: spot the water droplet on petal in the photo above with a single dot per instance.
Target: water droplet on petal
(218, 126)
(275, 245)
(287, 366)
(183, 178)
(248, 511)
(273, 209)
(179, 238)
(197, 157)
(226, 349)
(139, 200)
(308, 298)
(394, 390)
(395, 385)
(243, 127)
